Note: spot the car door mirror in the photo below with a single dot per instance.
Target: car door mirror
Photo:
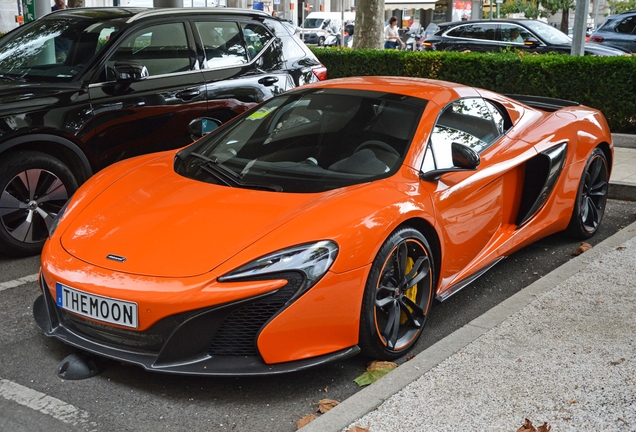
(129, 71)
(531, 42)
(202, 126)
(464, 159)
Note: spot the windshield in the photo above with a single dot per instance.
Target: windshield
(548, 33)
(308, 141)
(52, 49)
(313, 23)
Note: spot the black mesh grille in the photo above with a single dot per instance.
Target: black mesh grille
(237, 333)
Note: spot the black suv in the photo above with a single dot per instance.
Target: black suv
(83, 88)
(618, 31)
(496, 35)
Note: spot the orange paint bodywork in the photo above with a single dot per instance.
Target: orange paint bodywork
(186, 234)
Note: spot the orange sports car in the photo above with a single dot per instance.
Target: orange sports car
(319, 224)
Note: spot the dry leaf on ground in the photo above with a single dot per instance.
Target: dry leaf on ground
(306, 420)
(528, 427)
(582, 248)
(358, 429)
(325, 405)
(376, 370)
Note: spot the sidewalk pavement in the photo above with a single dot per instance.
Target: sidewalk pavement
(560, 351)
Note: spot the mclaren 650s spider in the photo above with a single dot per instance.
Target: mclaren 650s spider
(317, 225)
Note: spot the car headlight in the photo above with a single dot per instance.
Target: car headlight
(313, 259)
(58, 218)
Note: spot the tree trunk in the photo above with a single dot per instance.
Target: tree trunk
(565, 20)
(369, 32)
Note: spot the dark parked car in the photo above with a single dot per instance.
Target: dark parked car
(496, 35)
(83, 88)
(618, 31)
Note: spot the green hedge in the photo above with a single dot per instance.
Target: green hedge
(605, 83)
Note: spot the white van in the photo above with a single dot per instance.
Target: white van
(318, 25)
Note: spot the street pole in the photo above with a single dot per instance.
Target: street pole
(580, 24)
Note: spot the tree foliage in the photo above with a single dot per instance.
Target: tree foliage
(620, 6)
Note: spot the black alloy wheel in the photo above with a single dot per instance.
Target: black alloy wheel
(398, 296)
(591, 197)
(33, 187)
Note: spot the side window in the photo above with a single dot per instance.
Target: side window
(475, 31)
(472, 122)
(627, 25)
(256, 37)
(163, 49)
(514, 33)
(223, 43)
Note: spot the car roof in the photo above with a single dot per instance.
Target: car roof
(136, 13)
(494, 20)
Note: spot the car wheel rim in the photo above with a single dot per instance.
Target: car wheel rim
(403, 295)
(594, 194)
(30, 202)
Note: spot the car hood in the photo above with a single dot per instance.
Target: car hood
(155, 222)
(602, 50)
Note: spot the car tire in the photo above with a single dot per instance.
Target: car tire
(33, 188)
(395, 309)
(321, 41)
(591, 197)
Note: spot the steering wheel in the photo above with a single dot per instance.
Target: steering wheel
(380, 144)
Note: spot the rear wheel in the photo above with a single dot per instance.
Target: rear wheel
(591, 197)
(398, 295)
(33, 188)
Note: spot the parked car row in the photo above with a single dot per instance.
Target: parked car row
(502, 34)
(83, 88)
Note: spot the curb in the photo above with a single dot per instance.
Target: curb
(624, 140)
(369, 398)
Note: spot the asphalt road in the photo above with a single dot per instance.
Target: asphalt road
(123, 398)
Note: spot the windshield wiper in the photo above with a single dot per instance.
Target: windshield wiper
(229, 177)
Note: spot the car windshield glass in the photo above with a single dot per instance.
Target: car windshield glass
(53, 49)
(548, 33)
(313, 23)
(308, 141)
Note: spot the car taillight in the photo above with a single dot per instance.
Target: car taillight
(320, 72)
(596, 39)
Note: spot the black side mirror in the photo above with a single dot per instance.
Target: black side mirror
(531, 42)
(126, 70)
(464, 159)
(202, 126)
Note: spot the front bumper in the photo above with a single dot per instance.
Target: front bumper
(219, 340)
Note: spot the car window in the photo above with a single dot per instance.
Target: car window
(514, 33)
(222, 42)
(162, 48)
(627, 25)
(56, 51)
(472, 122)
(486, 31)
(256, 37)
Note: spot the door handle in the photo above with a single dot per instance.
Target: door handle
(188, 94)
(268, 81)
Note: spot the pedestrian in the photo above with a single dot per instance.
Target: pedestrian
(274, 14)
(59, 4)
(392, 36)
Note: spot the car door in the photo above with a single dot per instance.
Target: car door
(137, 116)
(624, 34)
(513, 36)
(477, 37)
(476, 210)
(237, 65)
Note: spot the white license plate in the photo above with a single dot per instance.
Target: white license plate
(104, 309)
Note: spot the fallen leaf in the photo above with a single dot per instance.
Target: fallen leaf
(620, 248)
(582, 248)
(326, 389)
(325, 405)
(376, 370)
(544, 427)
(411, 357)
(572, 401)
(527, 427)
(358, 429)
(306, 420)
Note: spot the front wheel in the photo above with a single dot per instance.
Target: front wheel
(398, 296)
(591, 197)
(33, 188)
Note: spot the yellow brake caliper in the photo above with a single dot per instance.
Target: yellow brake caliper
(411, 292)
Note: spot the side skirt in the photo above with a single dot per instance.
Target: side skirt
(453, 289)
